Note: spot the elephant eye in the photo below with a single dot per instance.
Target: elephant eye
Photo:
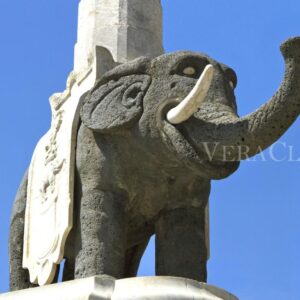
(189, 71)
(191, 66)
(231, 76)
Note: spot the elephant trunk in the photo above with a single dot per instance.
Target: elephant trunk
(241, 138)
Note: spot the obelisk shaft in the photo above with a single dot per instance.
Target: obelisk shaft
(127, 28)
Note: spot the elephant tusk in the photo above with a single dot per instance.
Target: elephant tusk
(188, 106)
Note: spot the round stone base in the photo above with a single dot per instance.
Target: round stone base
(167, 288)
(139, 288)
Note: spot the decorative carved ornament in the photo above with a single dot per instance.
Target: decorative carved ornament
(49, 206)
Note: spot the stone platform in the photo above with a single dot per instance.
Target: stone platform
(140, 288)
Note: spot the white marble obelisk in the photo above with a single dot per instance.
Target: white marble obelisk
(127, 28)
(109, 32)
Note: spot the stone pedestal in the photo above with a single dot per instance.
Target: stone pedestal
(105, 288)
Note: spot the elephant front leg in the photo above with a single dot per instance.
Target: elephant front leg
(180, 244)
(103, 225)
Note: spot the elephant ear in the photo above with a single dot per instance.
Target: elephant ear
(116, 101)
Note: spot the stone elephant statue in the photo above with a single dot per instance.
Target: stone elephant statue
(137, 174)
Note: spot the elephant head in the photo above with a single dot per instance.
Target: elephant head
(182, 107)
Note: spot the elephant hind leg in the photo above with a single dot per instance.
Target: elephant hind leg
(133, 258)
(69, 269)
(19, 277)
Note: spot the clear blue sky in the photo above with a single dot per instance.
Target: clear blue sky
(255, 214)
